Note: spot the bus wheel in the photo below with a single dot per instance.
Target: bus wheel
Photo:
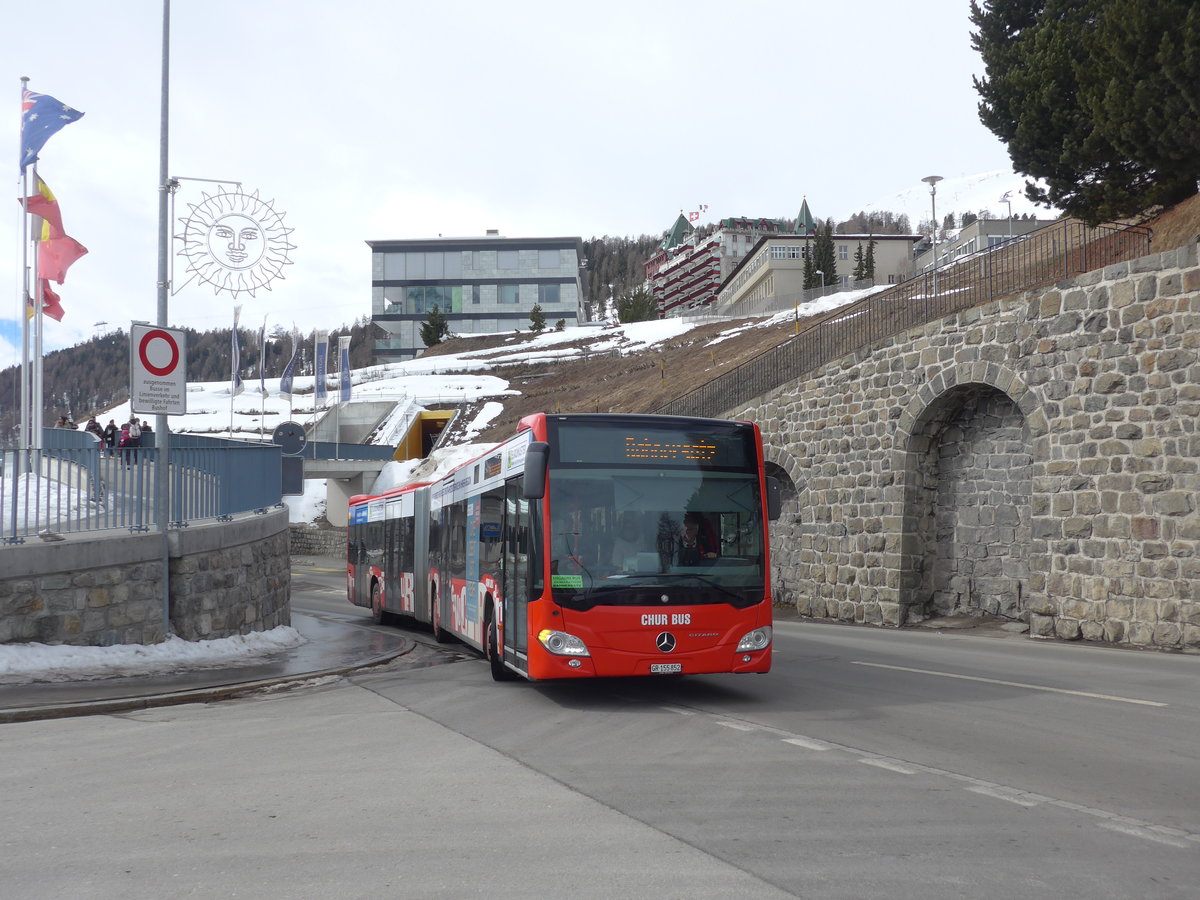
(439, 634)
(495, 658)
(378, 614)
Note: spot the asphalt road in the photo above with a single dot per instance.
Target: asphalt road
(869, 763)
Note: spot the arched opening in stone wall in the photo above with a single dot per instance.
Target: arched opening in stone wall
(967, 507)
(784, 588)
(787, 487)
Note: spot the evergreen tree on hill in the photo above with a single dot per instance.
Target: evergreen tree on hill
(636, 307)
(537, 319)
(435, 328)
(824, 263)
(1097, 99)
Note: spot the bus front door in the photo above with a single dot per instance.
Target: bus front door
(516, 575)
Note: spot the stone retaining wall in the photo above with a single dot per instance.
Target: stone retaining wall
(315, 540)
(102, 589)
(1036, 458)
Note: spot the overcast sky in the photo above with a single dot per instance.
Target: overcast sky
(376, 119)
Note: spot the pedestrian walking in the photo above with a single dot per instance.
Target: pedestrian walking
(111, 435)
(135, 437)
(93, 427)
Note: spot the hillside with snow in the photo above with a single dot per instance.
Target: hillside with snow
(978, 193)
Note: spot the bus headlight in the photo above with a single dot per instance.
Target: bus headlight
(562, 644)
(758, 639)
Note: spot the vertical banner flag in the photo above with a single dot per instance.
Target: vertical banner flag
(235, 386)
(289, 371)
(344, 363)
(262, 359)
(41, 118)
(320, 362)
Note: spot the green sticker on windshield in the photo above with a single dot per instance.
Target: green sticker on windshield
(566, 581)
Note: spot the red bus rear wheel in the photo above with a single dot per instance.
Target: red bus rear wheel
(500, 672)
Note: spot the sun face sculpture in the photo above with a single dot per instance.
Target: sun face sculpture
(235, 242)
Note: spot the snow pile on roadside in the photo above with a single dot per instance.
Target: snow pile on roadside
(26, 663)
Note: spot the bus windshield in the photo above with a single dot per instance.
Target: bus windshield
(654, 535)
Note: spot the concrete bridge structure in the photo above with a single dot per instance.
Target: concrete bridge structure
(1035, 457)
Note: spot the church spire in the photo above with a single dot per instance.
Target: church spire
(804, 222)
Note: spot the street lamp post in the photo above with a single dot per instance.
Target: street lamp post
(932, 181)
(1006, 199)
(822, 274)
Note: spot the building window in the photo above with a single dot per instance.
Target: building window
(393, 299)
(548, 293)
(393, 266)
(549, 259)
(416, 265)
(453, 265)
(510, 293)
(433, 265)
(414, 300)
(475, 293)
(507, 259)
(843, 251)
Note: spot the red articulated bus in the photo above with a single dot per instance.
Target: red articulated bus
(584, 546)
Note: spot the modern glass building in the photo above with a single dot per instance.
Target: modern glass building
(481, 284)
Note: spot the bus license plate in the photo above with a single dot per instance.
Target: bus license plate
(666, 668)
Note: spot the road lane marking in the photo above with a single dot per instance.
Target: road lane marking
(808, 743)
(1134, 827)
(1146, 834)
(1009, 794)
(678, 710)
(1017, 684)
(736, 726)
(890, 764)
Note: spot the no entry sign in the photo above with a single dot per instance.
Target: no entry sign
(157, 370)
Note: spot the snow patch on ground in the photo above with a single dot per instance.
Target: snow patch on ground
(27, 663)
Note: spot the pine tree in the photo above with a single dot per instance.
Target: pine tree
(860, 263)
(1096, 99)
(435, 328)
(824, 263)
(869, 262)
(537, 319)
(636, 307)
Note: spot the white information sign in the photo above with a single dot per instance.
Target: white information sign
(157, 370)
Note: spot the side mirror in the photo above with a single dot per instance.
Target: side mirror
(774, 498)
(536, 457)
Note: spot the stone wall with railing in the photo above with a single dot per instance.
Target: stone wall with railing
(104, 588)
(1036, 458)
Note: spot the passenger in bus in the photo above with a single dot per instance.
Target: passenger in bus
(697, 542)
(628, 543)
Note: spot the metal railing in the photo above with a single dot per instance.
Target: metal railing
(58, 490)
(1052, 254)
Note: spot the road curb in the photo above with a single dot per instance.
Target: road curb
(195, 695)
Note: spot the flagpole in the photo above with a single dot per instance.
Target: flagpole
(262, 378)
(38, 397)
(162, 480)
(26, 435)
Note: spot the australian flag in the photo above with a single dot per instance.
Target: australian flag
(41, 117)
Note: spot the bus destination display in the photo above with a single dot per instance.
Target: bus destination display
(590, 444)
